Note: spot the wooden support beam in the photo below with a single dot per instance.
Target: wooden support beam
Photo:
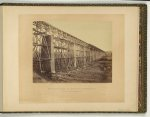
(74, 55)
(84, 55)
(52, 61)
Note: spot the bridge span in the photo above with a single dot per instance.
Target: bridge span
(57, 51)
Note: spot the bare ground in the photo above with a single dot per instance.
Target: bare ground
(96, 72)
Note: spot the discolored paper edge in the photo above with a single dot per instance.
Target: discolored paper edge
(142, 102)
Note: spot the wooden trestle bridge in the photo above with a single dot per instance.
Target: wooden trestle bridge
(57, 51)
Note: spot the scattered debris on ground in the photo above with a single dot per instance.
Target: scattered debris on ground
(97, 72)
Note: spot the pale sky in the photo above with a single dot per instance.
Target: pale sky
(89, 28)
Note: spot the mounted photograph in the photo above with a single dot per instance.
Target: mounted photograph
(65, 57)
(72, 49)
(73, 58)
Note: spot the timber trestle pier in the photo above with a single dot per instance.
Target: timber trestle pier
(57, 51)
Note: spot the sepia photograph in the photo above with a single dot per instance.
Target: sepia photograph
(72, 58)
(72, 49)
(65, 57)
